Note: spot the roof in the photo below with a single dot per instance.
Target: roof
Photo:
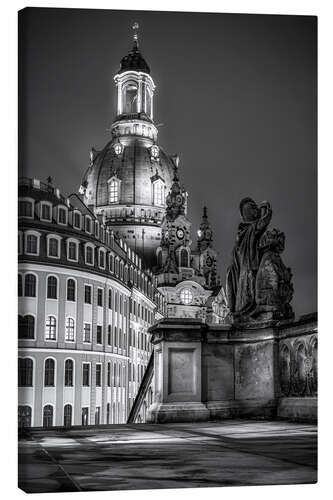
(134, 61)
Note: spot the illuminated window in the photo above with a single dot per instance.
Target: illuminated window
(113, 191)
(155, 151)
(70, 330)
(118, 148)
(51, 328)
(130, 96)
(186, 296)
(159, 193)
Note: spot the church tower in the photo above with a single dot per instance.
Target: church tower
(206, 256)
(127, 181)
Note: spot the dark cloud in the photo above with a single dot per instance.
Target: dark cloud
(236, 95)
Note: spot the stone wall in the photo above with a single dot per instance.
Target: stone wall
(209, 372)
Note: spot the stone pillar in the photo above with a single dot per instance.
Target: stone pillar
(177, 372)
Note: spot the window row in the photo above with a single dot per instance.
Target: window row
(115, 375)
(25, 415)
(45, 211)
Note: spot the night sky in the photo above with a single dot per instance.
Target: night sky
(236, 95)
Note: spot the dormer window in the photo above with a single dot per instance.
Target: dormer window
(114, 190)
(159, 193)
(77, 220)
(62, 215)
(25, 208)
(88, 224)
(45, 213)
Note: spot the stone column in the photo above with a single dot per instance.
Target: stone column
(177, 372)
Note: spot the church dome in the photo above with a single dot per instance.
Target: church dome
(136, 169)
(134, 61)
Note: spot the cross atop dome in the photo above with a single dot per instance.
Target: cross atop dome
(135, 29)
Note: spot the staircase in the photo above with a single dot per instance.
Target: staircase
(142, 392)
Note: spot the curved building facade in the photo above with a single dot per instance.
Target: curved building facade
(128, 180)
(84, 305)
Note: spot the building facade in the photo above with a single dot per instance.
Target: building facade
(84, 307)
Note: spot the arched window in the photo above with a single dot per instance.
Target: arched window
(71, 290)
(48, 416)
(51, 328)
(24, 416)
(70, 330)
(67, 415)
(25, 372)
(114, 185)
(183, 258)
(69, 370)
(26, 327)
(52, 287)
(130, 96)
(159, 193)
(31, 244)
(49, 372)
(30, 285)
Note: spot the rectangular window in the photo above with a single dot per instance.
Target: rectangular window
(109, 335)
(88, 225)
(98, 375)
(86, 374)
(87, 294)
(90, 255)
(72, 250)
(77, 220)
(110, 299)
(31, 244)
(62, 219)
(46, 212)
(53, 247)
(101, 259)
(99, 334)
(100, 297)
(25, 208)
(87, 332)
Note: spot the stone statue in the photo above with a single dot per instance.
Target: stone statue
(257, 280)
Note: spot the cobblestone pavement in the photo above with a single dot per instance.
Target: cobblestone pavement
(124, 457)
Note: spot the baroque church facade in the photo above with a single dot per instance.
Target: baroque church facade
(97, 269)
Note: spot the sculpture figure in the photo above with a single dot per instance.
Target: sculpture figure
(258, 283)
(241, 275)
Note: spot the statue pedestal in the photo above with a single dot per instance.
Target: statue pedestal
(214, 372)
